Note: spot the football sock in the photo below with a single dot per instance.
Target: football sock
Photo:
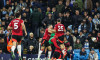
(39, 54)
(13, 49)
(63, 51)
(49, 54)
(19, 50)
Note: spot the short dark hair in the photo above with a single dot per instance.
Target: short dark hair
(17, 14)
(59, 20)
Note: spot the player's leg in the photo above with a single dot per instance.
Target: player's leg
(19, 38)
(40, 52)
(13, 49)
(49, 52)
(62, 46)
(19, 50)
(42, 48)
(14, 46)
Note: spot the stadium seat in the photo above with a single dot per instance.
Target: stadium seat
(96, 50)
(87, 51)
(76, 50)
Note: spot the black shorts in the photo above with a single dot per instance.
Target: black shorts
(17, 38)
(61, 37)
(45, 43)
(57, 55)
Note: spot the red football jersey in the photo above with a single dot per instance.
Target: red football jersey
(59, 29)
(17, 27)
(47, 35)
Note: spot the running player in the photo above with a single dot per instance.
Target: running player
(17, 26)
(45, 43)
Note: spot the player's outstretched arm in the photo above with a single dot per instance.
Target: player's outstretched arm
(24, 28)
(10, 28)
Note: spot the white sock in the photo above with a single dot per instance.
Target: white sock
(49, 54)
(19, 50)
(39, 54)
(13, 49)
(63, 51)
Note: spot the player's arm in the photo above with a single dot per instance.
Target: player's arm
(64, 30)
(51, 31)
(24, 28)
(10, 28)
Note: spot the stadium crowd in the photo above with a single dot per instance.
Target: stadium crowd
(81, 19)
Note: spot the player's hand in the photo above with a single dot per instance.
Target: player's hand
(25, 33)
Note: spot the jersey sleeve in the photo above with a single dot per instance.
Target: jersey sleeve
(10, 24)
(22, 21)
(55, 27)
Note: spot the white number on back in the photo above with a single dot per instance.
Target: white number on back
(60, 28)
(15, 25)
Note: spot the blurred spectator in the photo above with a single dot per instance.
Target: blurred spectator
(82, 54)
(95, 43)
(70, 53)
(48, 10)
(48, 20)
(10, 12)
(67, 19)
(66, 43)
(86, 44)
(78, 44)
(88, 5)
(93, 55)
(32, 44)
(96, 21)
(3, 44)
(1, 51)
(42, 30)
(98, 6)
(90, 25)
(80, 4)
(35, 19)
(98, 40)
(74, 38)
(77, 18)
(54, 13)
(60, 16)
(69, 38)
(67, 7)
(81, 27)
(81, 37)
(94, 33)
(76, 34)
(85, 32)
(75, 7)
(85, 14)
(60, 6)
(7, 20)
(7, 5)
(3, 13)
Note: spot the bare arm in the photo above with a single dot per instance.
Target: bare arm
(24, 28)
(51, 31)
(10, 28)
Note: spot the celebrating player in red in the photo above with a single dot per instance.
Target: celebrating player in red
(58, 39)
(45, 43)
(17, 26)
